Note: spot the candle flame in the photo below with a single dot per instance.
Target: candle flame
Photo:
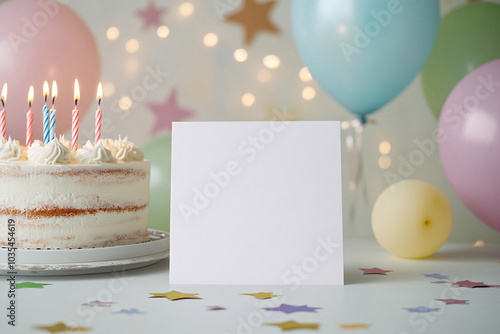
(45, 90)
(99, 92)
(4, 93)
(54, 91)
(30, 96)
(77, 91)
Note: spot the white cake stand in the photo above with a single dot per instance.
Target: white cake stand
(73, 261)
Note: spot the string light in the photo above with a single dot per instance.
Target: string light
(112, 33)
(384, 147)
(248, 99)
(264, 75)
(132, 45)
(108, 89)
(304, 74)
(211, 39)
(240, 55)
(125, 103)
(271, 61)
(308, 93)
(186, 9)
(384, 162)
(162, 31)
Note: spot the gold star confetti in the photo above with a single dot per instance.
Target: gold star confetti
(479, 243)
(284, 114)
(288, 325)
(61, 327)
(261, 295)
(254, 17)
(175, 295)
(354, 326)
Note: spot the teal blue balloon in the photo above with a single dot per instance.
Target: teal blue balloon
(364, 52)
(159, 151)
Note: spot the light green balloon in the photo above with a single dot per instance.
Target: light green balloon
(158, 151)
(468, 37)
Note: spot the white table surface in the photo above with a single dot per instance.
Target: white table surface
(371, 299)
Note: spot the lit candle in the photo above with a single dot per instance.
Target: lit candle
(3, 120)
(29, 119)
(45, 114)
(53, 112)
(76, 120)
(98, 114)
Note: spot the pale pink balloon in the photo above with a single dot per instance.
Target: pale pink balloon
(470, 141)
(45, 40)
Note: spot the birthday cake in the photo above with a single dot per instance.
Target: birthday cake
(54, 197)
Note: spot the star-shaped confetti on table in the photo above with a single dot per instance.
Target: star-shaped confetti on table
(437, 276)
(261, 295)
(175, 295)
(440, 282)
(420, 309)
(61, 327)
(151, 15)
(286, 308)
(98, 303)
(129, 311)
(30, 285)
(469, 284)
(479, 243)
(254, 17)
(288, 325)
(167, 112)
(354, 326)
(215, 308)
(375, 271)
(454, 301)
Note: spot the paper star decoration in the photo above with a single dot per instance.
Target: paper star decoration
(420, 309)
(375, 271)
(261, 295)
(175, 295)
(167, 112)
(151, 15)
(254, 17)
(437, 276)
(30, 285)
(288, 325)
(61, 327)
(469, 284)
(129, 311)
(215, 308)
(479, 243)
(440, 282)
(354, 326)
(286, 308)
(98, 303)
(454, 301)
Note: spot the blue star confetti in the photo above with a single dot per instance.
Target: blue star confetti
(437, 276)
(420, 309)
(129, 311)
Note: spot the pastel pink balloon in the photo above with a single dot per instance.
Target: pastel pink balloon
(470, 142)
(45, 40)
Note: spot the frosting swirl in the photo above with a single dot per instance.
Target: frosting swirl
(127, 151)
(10, 150)
(94, 154)
(52, 153)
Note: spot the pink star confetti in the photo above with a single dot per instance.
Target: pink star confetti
(215, 308)
(167, 112)
(440, 282)
(151, 15)
(454, 301)
(375, 271)
(469, 284)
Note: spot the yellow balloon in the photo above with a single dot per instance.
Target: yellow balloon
(412, 219)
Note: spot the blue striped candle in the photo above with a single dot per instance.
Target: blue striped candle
(46, 133)
(52, 124)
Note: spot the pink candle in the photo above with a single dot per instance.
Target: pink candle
(98, 114)
(3, 118)
(29, 119)
(76, 118)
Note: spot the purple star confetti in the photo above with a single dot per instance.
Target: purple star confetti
(129, 311)
(286, 308)
(440, 282)
(98, 303)
(437, 276)
(420, 309)
(151, 15)
(454, 301)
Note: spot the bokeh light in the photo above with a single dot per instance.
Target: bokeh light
(240, 55)
(162, 31)
(112, 33)
(132, 45)
(308, 93)
(248, 99)
(125, 103)
(384, 147)
(304, 74)
(211, 39)
(384, 162)
(271, 61)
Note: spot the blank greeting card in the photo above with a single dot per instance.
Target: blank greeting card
(256, 203)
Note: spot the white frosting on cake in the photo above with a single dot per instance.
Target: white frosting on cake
(10, 150)
(94, 154)
(52, 153)
(127, 151)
